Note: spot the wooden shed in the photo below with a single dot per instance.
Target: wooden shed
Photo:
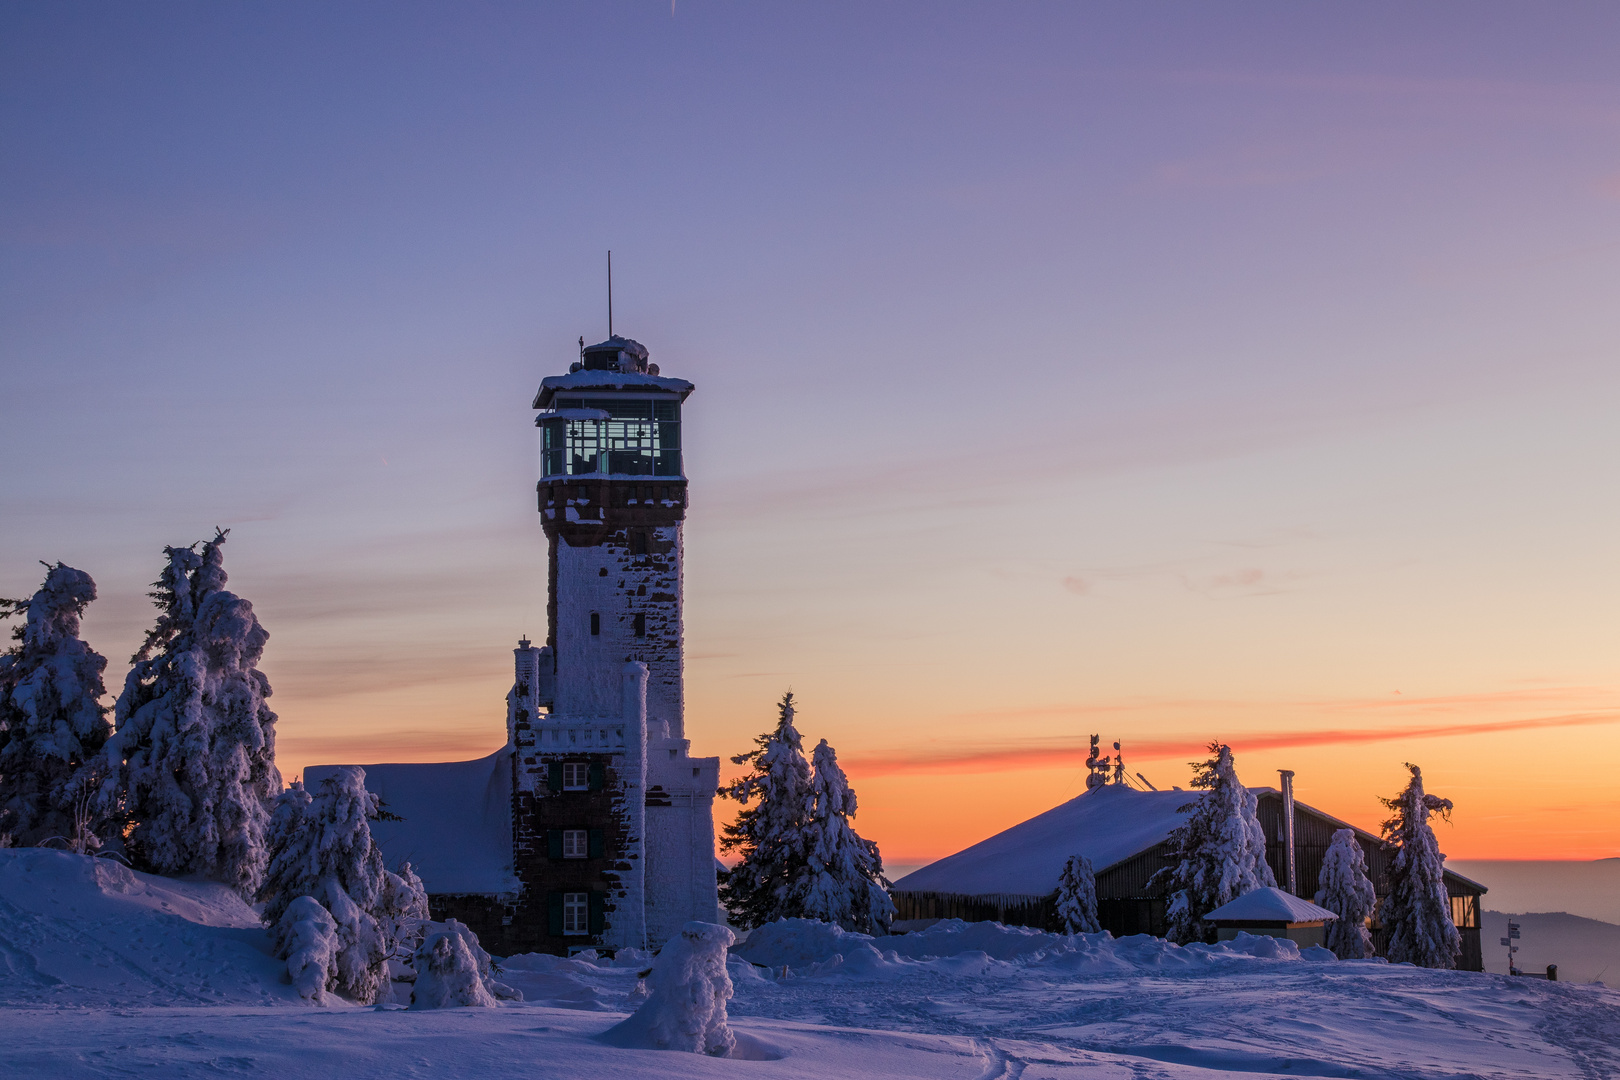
(1273, 913)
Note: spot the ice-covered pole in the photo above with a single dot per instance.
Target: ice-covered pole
(1288, 827)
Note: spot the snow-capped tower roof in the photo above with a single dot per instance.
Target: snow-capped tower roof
(617, 354)
(617, 364)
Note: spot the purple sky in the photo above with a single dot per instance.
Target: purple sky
(1173, 370)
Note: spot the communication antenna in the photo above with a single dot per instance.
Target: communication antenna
(610, 292)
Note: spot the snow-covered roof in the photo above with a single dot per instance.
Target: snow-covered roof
(1269, 905)
(619, 343)
(1105, 824)
(608, 380)
(457, 827)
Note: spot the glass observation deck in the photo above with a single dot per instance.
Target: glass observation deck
(611, 435)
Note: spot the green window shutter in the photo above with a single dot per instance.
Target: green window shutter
(554, 904)
(598, 776)
(598, 913)
(598, 843)
(554, 844)
(554, 776)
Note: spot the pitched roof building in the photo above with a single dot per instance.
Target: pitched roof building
(1012, 876)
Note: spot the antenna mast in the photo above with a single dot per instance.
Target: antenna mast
(610, 292)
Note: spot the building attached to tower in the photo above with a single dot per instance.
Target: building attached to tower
(593, 827)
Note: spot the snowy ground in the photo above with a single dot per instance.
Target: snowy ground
(107, 973)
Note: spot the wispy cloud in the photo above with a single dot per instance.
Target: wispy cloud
(1047, 754)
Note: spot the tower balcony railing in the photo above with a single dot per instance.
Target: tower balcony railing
(577, 735)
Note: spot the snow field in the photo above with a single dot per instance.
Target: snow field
(108, 972)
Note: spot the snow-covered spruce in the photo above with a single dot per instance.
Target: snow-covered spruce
(1077, 897)
(844, 880)
(453, 970)
(1346, 890)
(324, 852)
(686, 1006)
(194, 755)
(308, 936)
(1418, 909)
(771, 833)
(405, 907)
(52, 722)
(1220, 853)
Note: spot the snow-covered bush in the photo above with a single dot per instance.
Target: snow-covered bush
(52, 722)
(193, 757)
(324, 851)
(453, 970)
(1346, 891)
(1077, 897)
(405, 907)
(1418, 909)
(309, 941)
(687, 993)
(772, 833)
(844, 880)
(1219, 854)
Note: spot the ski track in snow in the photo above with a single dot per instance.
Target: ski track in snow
(108, 973)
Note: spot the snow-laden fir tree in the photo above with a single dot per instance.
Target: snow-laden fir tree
(453, 970)
(770, 832)
(1347, 891)
(405, 907)
(1219, 853)
(844, 880)
(194, 754)
(1418, 909)
(324, 851)
(1077, 897)
(308, 940)
(52, 722)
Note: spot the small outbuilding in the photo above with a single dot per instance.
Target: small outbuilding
(1273, 913)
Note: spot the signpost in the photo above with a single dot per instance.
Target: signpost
(1513, 935)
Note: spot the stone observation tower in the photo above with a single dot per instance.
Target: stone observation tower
(612, 497)
(601, 704)
(593, 827)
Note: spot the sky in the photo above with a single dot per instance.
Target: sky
(1169, 372)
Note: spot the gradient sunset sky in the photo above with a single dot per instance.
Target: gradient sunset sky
(1165, 371)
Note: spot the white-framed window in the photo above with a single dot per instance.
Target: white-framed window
(576, 913)
(576, 776)
(575, 843)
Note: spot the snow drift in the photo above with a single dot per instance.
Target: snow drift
(76, 930)
(815, 949)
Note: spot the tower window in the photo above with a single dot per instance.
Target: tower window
(638, 542)
(576, 913)
(574, 843)
(641, 626)
(596, 623)
(576, 776)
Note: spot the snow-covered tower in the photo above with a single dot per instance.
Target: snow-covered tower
(593, 827)
(612, 498)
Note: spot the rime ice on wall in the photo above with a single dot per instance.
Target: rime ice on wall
(616, 594)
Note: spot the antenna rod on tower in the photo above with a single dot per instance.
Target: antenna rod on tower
(610, 292)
